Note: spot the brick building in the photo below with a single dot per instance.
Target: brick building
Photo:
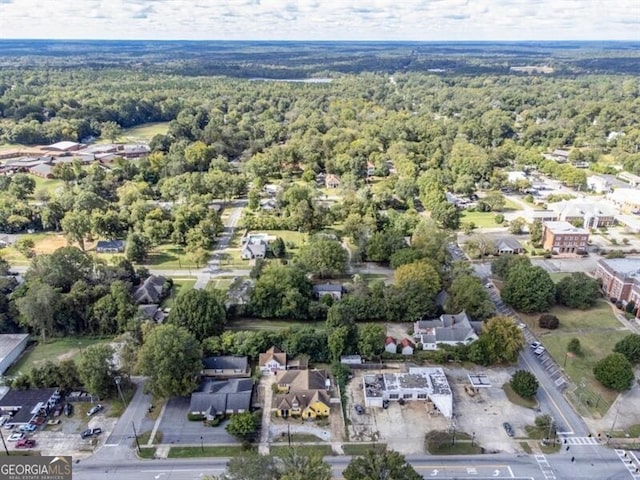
(620, 279)
(562, 237)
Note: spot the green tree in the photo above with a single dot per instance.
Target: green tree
(200, 312)
(578, 291)
(502, 338)
(324, 258)
(95, 369)
(574, 346)
(629, 346)
(446, 215)
(495, 201)
(25, 247)
(467, 293)
(371, 339)
(294, 465)
(501, 265)
(376, 465)
(243, 425)
(137, 247)
(516, 225)
(338, 341)
(281, 292)
(535, 231)
(415, 288)
(171, 357)
(38, 307)
(524, 383)
(528, 289)
(110, 131)
(250, 466)
(615, 372)
(76, 226)
(277, 247)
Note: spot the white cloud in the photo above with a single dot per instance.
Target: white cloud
(323, 19)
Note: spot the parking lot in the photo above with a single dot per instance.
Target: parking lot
(176, 429)
(64, 438)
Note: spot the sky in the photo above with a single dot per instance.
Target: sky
(420, 20)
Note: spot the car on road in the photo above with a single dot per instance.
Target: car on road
(26, 443)
(359, 409)
(508, 428)
(95, 409)
(91, 432)
(14, 437)
(28, 428)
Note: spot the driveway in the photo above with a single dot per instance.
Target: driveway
(176, 429)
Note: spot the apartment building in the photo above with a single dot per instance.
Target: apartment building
(562, 237)
(620, 279)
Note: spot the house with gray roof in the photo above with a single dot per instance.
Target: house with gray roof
(226, 366)
(215, 398)
(508, 245)
(448, 330)
(110, 246)
(589, 213)
(152, 290)
(333, 290)
(254, 250)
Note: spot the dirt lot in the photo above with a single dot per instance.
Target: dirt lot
(403, 427)
(64, 439)
(485, 413)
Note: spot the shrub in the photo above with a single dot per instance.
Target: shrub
(499, 218)
(524, 383)
(615, 372)
(574, 346)
(629, 346)
(630, 307)
(548, 321)
(195, 417)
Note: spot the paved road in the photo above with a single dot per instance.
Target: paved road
(590, 463)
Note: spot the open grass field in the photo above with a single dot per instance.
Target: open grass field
(180, 285)
(50, 185)
(217, 451)
(56, 350)
(262, 324)
(511, 206)
(480, 219)
(219, 284)
(140, 133)
(323, 450)
(598, 331)
(169, 256)
(43, 243)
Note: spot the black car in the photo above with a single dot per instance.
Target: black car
(508, 428)
(91, 432)
(359, 409)
(68, 409)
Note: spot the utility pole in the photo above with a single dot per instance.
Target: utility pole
(613, 425)
(136, 436)
(118, 379)
(4, 444)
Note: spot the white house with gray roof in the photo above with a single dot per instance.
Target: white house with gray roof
(446, 330)
(592, 213)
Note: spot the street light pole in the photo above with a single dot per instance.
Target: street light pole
(201, 444)
(118, 379)
(613, 425)
(135, 434)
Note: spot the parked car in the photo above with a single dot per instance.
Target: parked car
(91, 432)
(539, 350)
(68, 409)
(28, 428)
(95, 409)
(55, 421)
(9, 426)
(508, 428)
(14, 437)
(57, 411)
(535, 345)
(359, 409)
(26, 443)
(38, 420)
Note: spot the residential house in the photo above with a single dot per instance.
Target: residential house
(302, 393)
(628, 199)
(351, 360)
(275, 360)
(562, 237)
(215, 398)
(371, 169)
(560, 156)
(152, 312)
(508, 245)
(598, 184)
(332, 181)
(517, 176)
(152, 290)
(134, 151)
(589, 213)
(630, 178)
(407, 346)
(42, 170)
(429, 385)
(331, 289)
(252, 251)
(446, 330)
(390, 345)
(225, 367)
(110, 246)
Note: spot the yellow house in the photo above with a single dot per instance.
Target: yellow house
(309, 404)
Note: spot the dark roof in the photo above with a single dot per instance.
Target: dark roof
(218, 396)
(327, 287)
(506, 243)
(256, 249)
(226, 363)
(110, 244)
(26, 401)
(151, 290)
(303, 379)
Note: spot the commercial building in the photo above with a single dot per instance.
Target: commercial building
(590, 213)
(419, 384)
(11, 346)
(620, 278)
(562, 237)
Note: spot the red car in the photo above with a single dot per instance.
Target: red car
(26, 443)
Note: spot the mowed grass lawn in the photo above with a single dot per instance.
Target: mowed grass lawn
(56, 350)
(180, 285)
(43, 243)
(140, 133)
(479, 219)
(598, 331)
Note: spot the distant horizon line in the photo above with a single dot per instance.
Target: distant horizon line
(18, 39)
